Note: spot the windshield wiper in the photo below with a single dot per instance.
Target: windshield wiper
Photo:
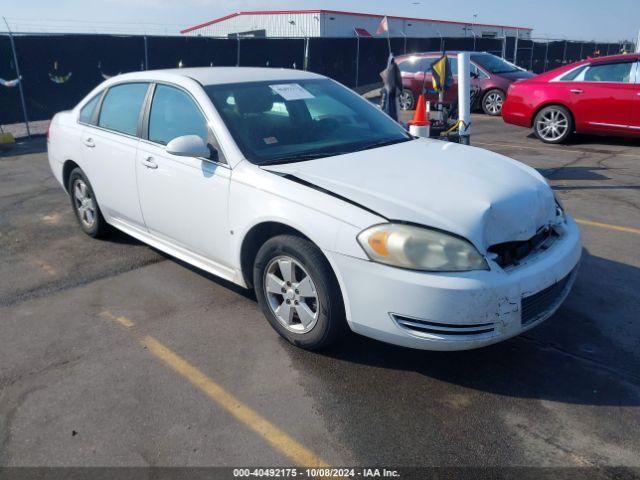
(299, 157)
(383, 144)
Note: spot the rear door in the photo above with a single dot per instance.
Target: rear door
(635, 110)
(602, 97)
(110, 144)
(183, 199)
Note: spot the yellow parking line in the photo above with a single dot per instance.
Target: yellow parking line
(608, 226)
(124, 321)
(44, 266)
(277, 438)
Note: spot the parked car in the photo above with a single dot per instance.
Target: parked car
(491, 74)
(598, 96)
(290, 183)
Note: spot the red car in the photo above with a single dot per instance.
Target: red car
(491, 74)
(598, 96)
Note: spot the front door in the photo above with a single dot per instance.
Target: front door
(183, 199)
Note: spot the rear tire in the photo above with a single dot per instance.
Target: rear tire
(553, 124)
(85, 205)
(492, 102)
(407, 100)
(298, 292)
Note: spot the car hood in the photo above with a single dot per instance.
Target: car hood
(518, 75)
(482, 196)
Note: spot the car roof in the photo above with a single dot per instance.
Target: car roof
(622, 56)
(222, 75)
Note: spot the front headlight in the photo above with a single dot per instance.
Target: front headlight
(419, 248)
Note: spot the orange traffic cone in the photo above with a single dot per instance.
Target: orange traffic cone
(420, 126)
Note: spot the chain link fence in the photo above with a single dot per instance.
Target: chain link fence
(58, 70)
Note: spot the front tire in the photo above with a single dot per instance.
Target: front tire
(407, 100)
(85, 205)
(298, 292)
(492, 102)
(553, 124)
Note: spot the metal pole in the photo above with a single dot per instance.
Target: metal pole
(305, 63)
(146, 54)
(15, 61)
(581, 50)
(238, 53)
(357, 60)
(464, 97)
(533, 44)
(638, 43)
(546, 56)
(515, 47)
(564, 53)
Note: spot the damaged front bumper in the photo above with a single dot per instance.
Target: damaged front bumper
(457, 311)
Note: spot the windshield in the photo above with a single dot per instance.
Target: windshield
(494, 64)
(287, 121)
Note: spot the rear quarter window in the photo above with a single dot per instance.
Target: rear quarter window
(86, 113)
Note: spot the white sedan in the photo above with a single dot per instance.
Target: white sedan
(289, 183)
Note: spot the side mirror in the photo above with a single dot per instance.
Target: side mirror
(188, 146)
(474, 75)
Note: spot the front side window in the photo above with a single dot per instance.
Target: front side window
(174, 114)
(453, 62)
(411, 65)
(609, 72)
(121, 107)
(86, 113)
(477, 72)
(287, 121)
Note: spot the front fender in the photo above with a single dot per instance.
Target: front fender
(257, 196)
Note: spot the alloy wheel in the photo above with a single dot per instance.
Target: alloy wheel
(406, 100)
(552, 125)
(84, 203)
(493, 103)
(291, 294)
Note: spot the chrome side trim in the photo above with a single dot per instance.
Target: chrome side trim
(600, 124)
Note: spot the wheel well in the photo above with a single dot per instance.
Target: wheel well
(552, 104)
(68, 167)
(255, 238)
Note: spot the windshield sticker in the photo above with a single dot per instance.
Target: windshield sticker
(291, 91)
(270, 140)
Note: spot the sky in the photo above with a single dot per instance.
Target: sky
(610, 20)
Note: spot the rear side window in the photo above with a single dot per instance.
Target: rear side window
(121, 107)
(574, 74)
(609, 72)
(86, 113)
(174, 114)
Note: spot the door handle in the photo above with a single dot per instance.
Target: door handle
(89, 142)
(149, 163)
(577, 91)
